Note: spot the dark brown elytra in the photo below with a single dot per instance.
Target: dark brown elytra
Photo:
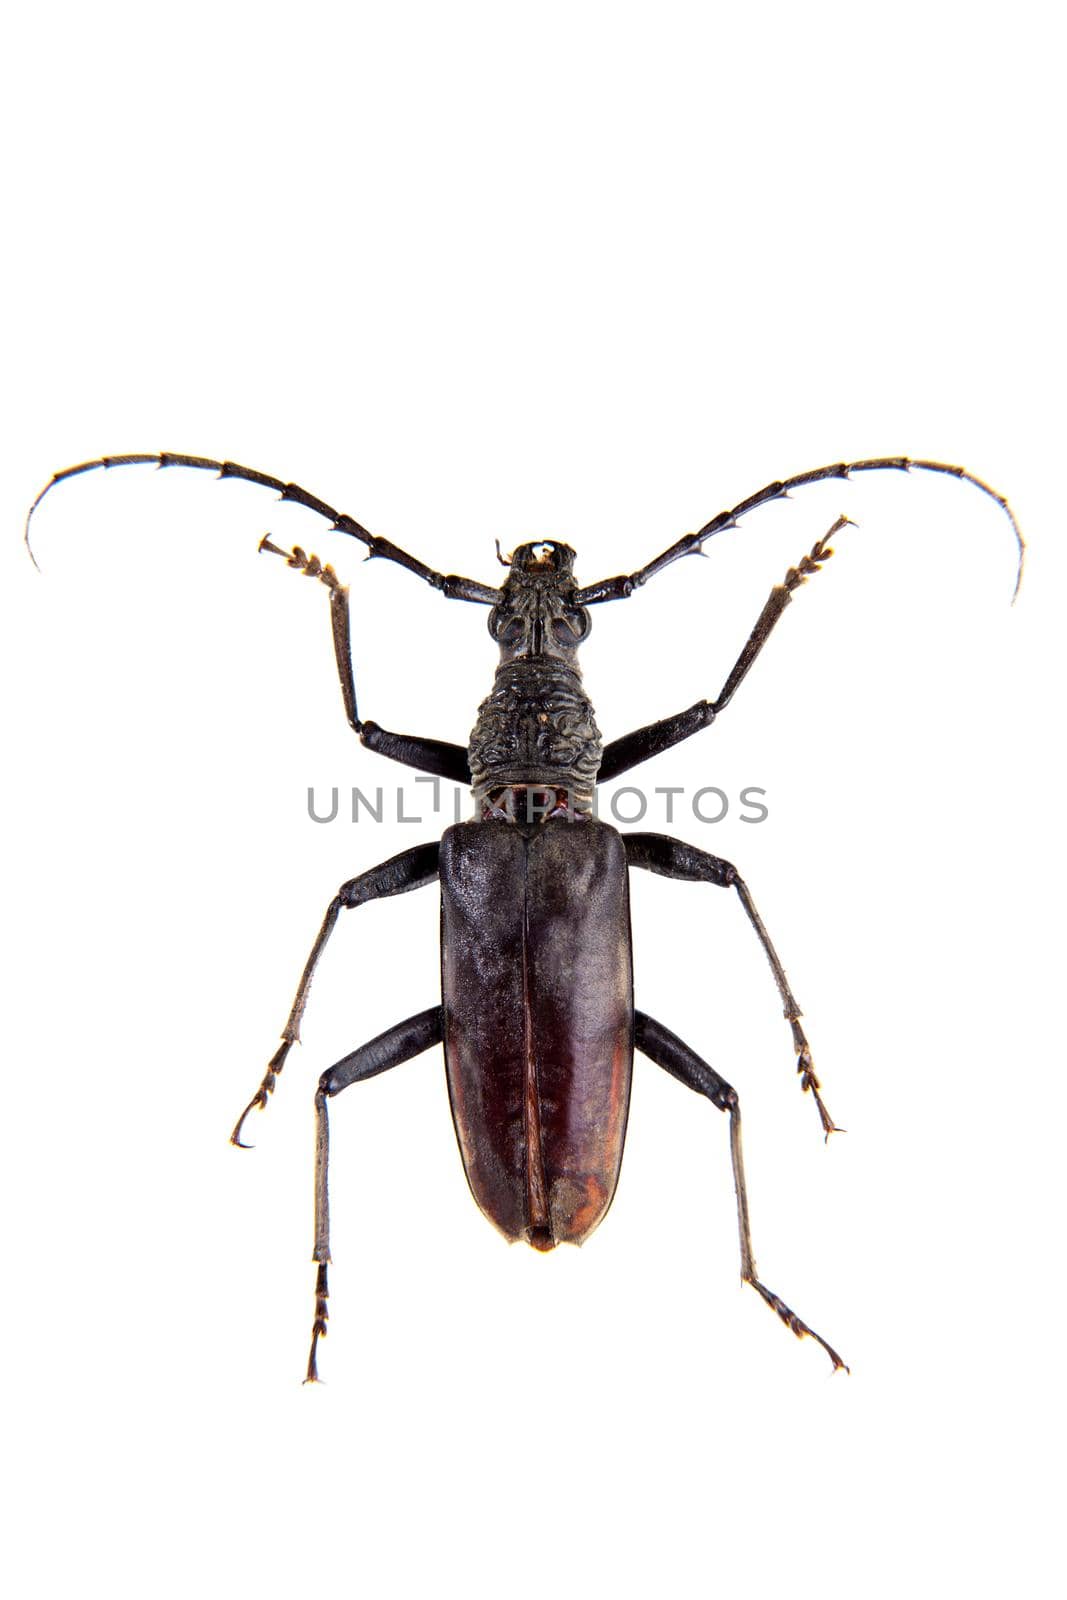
(536, 1015)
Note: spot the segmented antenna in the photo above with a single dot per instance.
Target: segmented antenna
(608, 588)
(455, 588)
(693, 543)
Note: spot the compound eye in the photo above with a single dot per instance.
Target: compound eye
(570, 629)
(506, 628)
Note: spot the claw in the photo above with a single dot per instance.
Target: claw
(829, 1126)
(258, 1101)
(808, 1080)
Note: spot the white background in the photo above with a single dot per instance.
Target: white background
(587, 272)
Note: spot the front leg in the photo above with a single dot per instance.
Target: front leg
(671, 858)
(426, 755)
(409, 870)
(633, 748)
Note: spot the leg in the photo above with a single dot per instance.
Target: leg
(389, 1049)
(409, 870)
(668, 1051)
(671, 858)
(427, 755)
(633, 748)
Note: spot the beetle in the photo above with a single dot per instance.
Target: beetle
(537, 1016)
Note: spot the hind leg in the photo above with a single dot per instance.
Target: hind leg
(389, 1049)
(668, 1051)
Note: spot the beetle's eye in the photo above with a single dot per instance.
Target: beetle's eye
(572, 627)
(510, 631)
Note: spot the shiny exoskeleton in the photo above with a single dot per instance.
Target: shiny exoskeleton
(536, 1015)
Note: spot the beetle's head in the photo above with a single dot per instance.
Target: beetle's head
(546, 559)
(537, 615)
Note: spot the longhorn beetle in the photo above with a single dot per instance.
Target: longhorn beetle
(537, 1016)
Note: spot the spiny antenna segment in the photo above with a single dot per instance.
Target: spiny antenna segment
(453, 587)
(692, 543)
(227, 469)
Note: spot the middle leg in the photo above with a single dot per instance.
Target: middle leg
(672, 858)
(411, 869)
